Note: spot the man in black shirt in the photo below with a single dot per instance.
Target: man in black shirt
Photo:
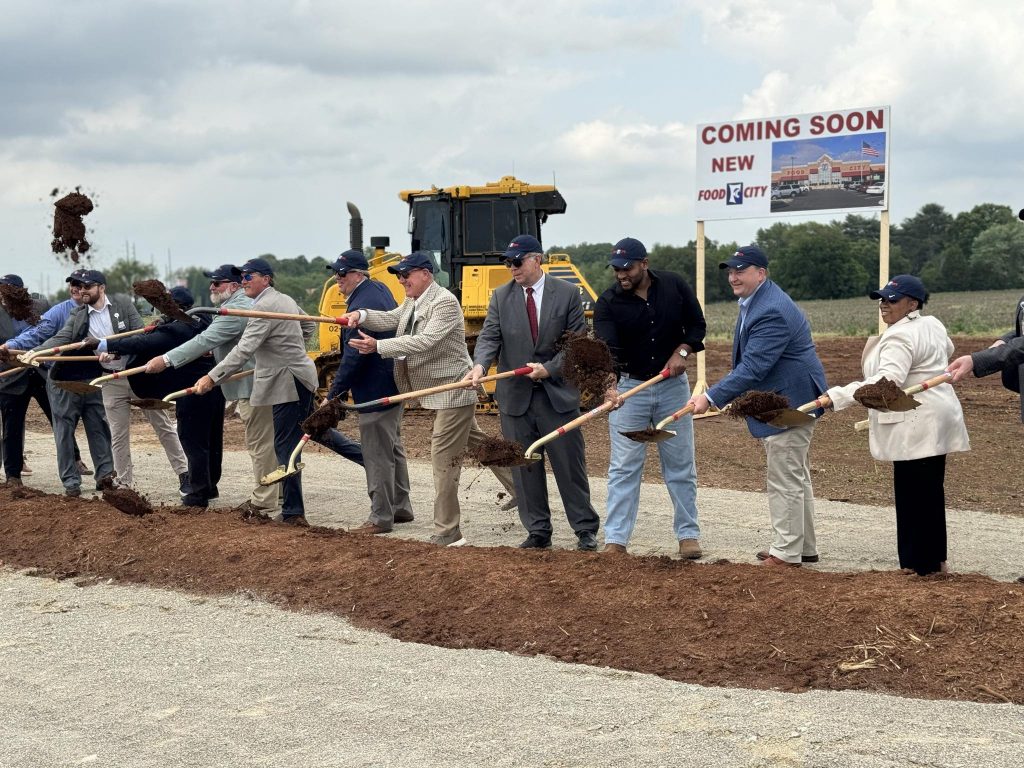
(651, 321)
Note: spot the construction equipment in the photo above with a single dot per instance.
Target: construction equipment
(467, 230)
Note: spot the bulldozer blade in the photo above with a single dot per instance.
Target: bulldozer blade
(790, 417)
(151, 404)
(280, 474)
(649, 435)
(78, 387)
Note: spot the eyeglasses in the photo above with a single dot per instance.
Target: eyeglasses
(340, 273)
(516, 262)
(218, 283)
(247, 276)
(77, 286)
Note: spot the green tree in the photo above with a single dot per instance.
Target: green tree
(923, 236)
(997, 257)
(815, 263)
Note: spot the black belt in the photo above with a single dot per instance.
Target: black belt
(642, 376)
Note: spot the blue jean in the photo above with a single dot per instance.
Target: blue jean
(626, 464)
(342, 445)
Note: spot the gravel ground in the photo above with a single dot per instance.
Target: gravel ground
(132, 676)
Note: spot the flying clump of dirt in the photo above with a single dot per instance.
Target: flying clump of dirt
(156, 294)
(125, 499)
(588, 365)
(68, 227)
(763, 406)
(324, 418)
(19, 303)
(498, 452)
(879, 395)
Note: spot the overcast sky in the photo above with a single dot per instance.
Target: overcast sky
(216, 131)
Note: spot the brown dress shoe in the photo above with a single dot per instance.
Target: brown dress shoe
(773, 560)
(689, 549)
(764, 555)
(615, 548)
(370, 528)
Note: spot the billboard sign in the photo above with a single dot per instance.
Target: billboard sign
(821, 162)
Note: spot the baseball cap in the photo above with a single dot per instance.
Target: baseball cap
(182, 296)
(348, 261)
(747, 256)
(75, 276)
(415, 260)
(12, 280)
(228, 272)
(901, 285)
(522, 245)
(625, 252)
(89, 277)
(257, 265)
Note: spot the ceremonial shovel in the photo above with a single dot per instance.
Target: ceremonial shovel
(19, 366)
(659, 433)
(531, 454)
(294, 467)
(153, 404)
(268, 315)
(31, 358)
(83, 388)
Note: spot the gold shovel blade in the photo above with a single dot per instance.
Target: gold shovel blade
(790, 417)
(78, 387)
(649, 435)
(280, 474)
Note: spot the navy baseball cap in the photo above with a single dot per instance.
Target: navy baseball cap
(89, 277)
(747, 256)
(182, 296)
(523, 245)
(415, 260)
(348, 261)
(12, 280)
(899, 286)
(257, 265)
(74, 277)
(225, 272)
(625, 252)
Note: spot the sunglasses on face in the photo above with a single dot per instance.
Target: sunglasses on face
(516, 262)
(340, 273)
(77, 286)
(218, 283)
(249, 276)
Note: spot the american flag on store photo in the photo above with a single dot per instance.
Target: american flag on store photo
(867, 149)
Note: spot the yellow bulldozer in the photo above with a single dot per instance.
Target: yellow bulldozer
(467, 230)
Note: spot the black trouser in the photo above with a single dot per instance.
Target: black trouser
(201, 432)
(920, 513)
(13, 408)
(288, 418)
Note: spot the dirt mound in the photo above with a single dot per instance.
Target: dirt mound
(956, 637)
(878, 395)
(763, 406)
(498, 452)
(588, 365)
(156, 294)
(68, 227)
(324, 418)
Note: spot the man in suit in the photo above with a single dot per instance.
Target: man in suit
(429, 349)
(1004, 356)
(285, 377)
(219, 338)
(772, 350)
(651, 321)
(525, 319)
(370, 377)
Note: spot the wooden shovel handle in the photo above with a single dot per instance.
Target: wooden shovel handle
(117, 375)
(822, 401)
(675, 416)
(942, 378)
(269, 315)
(170, 398)
(79, 344)
(440, 388)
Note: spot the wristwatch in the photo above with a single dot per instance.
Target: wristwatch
(683, 353)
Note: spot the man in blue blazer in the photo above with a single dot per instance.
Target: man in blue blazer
(370, 377)
(772, 351)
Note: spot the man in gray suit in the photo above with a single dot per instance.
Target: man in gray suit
(285, 377)
(525, 319)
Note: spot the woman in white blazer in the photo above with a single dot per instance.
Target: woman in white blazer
(912, 349)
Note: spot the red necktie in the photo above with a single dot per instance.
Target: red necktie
(531, 313)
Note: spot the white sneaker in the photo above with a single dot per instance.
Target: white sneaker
(25, 470)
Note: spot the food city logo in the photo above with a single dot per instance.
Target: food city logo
(734, 192)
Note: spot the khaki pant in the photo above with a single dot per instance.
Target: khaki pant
(790, 495)
(259, 441)
(116, 394)
(455, 431)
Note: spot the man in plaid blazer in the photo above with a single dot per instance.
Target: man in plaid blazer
(429, 349)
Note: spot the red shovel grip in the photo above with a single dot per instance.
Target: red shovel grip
(525, 370)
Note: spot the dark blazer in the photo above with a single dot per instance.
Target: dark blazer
(773, 352)
(1007, 358)
(162, 339)
(367, 377)
(506, 336)
(123, 317)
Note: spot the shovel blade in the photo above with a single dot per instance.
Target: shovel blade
(78, 387)
(904, 402)
(151, 404)
(280, 474)
(649, 435)
(791, 418)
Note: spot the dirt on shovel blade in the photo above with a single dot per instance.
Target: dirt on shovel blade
(763, 406)
(498, 452)
(588, 365)
(127, 500)
(878, 395)
(649, 435)
(68, 227)
(324, 418)
(148, 403)
(156, 294)
(19, 303)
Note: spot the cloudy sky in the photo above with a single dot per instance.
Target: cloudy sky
(216, 130)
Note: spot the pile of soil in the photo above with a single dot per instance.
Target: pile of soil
(19, 303)
(726, 624)
(763, 406)
(588, 365)
(324, 418)
(879, 395)
(68, 227)
(498, 452)
(156, 294)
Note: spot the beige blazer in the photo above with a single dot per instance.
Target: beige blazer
(435, 354)
(908, 352)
